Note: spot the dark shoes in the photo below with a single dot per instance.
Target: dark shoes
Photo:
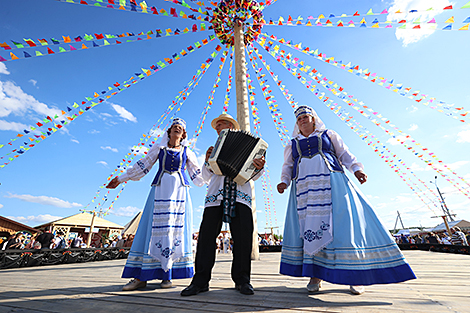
(193, 290)
(245, 288)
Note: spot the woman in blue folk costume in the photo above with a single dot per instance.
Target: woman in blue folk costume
(162, 247)
(331, 232)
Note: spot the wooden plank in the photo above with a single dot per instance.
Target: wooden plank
(442, 286)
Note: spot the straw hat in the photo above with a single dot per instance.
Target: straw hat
(225, 117)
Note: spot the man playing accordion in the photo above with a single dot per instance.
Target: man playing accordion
(229, 202)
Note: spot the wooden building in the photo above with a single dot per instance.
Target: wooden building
(9, 227)
(79, 224)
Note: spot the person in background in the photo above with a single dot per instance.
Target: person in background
(77, 241)
(45, 239)
(458, 237)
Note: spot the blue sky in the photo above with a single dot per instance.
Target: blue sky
(62, 174)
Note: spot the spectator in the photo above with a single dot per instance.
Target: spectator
(129, 241)
(114, 242)
(59, 241)
(403, 239)
(433, 239)
(445, 240)
(45, 239)
(458, 237)
(122, 240)
(14, 242)
(77, 242)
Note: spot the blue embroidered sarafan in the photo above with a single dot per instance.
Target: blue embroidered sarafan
(173, 161)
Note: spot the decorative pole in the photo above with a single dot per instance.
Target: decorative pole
(228, 23)
(90, 234)
(243, 115)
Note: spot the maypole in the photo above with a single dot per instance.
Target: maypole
(229, 25)
(243, 114)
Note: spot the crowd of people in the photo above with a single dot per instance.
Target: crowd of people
(457, 237)
(270, 240)
(48, 240)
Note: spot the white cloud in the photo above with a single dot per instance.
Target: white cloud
(45, 200)
(413, 127)
(124, 113)
(463, 136)
(93, 131)
(35, 220)
(412, 109)
(3, 69)
(17, 127)
(126, 211)
(34, 82)
(14, 100)
(102, 163)
(109, 148)
(410, 35)
(74, 140)
(1, 205)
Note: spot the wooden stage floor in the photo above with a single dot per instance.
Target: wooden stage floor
(443, 285)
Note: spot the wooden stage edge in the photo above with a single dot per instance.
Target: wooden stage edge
(443, 285)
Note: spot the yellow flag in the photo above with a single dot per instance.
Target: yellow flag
(450, 20)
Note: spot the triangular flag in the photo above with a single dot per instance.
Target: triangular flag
(450, 20)
(467, 6)
(465, 27)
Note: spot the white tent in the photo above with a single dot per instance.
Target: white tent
(462, 224)
(408, 232)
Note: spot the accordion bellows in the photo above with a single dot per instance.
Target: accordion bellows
(233, 155)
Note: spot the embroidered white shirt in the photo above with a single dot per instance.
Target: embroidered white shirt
(143, 166)
(216, 187)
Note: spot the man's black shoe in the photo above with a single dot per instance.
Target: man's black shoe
(245, 288)
(192, 290)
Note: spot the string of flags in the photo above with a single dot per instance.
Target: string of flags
(329, 103)
(282, 87)
(422, 155)
(229, 84)
(43, 47)
(271, 103)
(457, 113)
(41, 130)
(265, 179)
(141, 7)
(388, 157)
(149, 139)
(209, 103)
(289, 97)
(414, 23)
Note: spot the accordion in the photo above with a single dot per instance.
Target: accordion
(233, 155)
